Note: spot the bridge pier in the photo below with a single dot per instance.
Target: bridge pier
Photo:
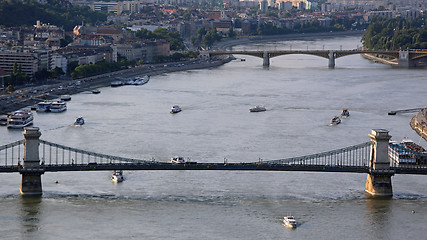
(31, 172)
(404, 60)
(266, 59)
(332, 55)
(378, 182)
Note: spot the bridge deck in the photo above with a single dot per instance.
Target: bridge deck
(55, 158)
(212, 167)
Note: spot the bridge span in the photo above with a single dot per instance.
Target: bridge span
(32, 157)
(403, 58)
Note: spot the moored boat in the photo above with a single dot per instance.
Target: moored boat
(65, 97)
(335, 121)
(257, 108)
(406, 152)
(44, 106)
(20, 119)
(3, 120)
(116, 83)
(58, 106)
(117, 176)
(175, 109)
(79, 121)
(289, 221)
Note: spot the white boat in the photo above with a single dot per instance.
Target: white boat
(20, 119)
(335, 121)
(345, 113)
(44, 106)
(58, 106)
(65, 97)
(79, 121)
(175, 109)
(117, 176)
(141, 80)
(129, 82)
(116, 83)
(290, 222)
(177, 159)
(3, 120)
(406, 152)
(257, 108)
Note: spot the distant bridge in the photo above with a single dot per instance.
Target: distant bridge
(404, 58)
(32, 157)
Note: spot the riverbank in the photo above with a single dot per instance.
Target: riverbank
(373, 58)
(31, 96)
(419, 123)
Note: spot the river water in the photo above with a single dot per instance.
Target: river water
(301, 96)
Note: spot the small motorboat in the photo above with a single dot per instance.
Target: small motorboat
(65, 97)
(117, 176)
(142, 80)
(96, 91)
(290, 222)
(79, 121)
(175, 109)
(345, 113)
(116, 83)
(177, 159)
(257, 109)
(335, 121)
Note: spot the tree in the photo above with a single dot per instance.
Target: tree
(231, 32)
(393, 34)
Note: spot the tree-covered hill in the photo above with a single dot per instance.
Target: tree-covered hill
(15, 13)
(396, 33)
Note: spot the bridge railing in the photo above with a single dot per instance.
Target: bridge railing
(12, 154)
(353, 156)
(56, 154)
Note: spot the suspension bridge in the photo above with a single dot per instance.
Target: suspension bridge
(32, 157)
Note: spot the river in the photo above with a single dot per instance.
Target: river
(301, 96)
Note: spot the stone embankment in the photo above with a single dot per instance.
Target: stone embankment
(32, 95)
(379, 59)
(419, 123)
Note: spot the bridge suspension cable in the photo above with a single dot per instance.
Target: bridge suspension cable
(353, 156)
(55, 154)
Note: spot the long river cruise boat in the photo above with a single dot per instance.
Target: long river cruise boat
(20, 119)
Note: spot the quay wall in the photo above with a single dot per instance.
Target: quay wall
(379, 59)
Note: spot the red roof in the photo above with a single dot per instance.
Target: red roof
(108, 31)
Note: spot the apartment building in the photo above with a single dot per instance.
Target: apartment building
(27, 60)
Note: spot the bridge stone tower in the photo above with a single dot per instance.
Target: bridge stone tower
(332, 55)
(31, 171)
(266, 59)
(378, 182)
(404, 59)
